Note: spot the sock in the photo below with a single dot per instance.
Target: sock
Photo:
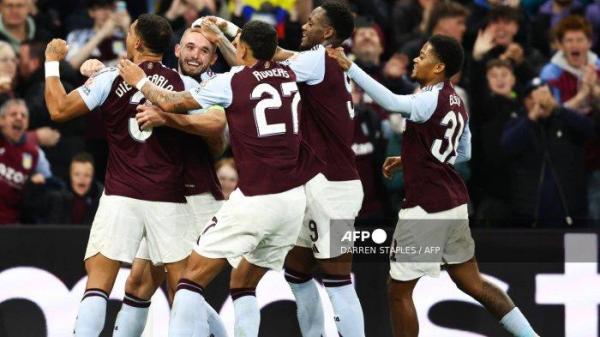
(215, 324)
(188, 315)
(346, 306)
(308, 303)
(92, 313)
(247, 314)
(132, 317)
(515, 323)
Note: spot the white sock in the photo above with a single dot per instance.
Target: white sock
(247, 314)
(132, 317)
(515, 323)
(308, 304)
(346, 306)
(92, 313)
(215, 324)
(188, 316)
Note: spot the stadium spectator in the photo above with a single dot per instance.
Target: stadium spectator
(8, 71)
(573, 76)
(78, 203)
(546, 150)
(409, 20)
(104, 41)
(592, 14)
(182, 13)
(548, 16)
(228, 176)
(16, 25)
(19, 160)
(494, 107)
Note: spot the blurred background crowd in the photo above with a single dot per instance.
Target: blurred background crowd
(530, 167)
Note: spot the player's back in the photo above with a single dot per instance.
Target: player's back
(264, 130)
(144, 165)
(327, 115)
(429, 151)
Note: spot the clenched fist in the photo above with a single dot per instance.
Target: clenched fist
(56, 50)
(131, 72)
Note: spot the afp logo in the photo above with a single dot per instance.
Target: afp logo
(378, 236)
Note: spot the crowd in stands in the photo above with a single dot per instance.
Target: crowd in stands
(533, 165)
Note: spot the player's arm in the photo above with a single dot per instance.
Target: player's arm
(62, 106)
(463, 152)
(167, 100)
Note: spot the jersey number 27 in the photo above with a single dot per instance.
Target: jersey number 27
(274, 102)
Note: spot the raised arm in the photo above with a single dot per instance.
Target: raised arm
(62, 106)
(167, 100)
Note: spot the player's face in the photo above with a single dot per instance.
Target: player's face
(575, 45)
(14, 122)
(81, 177)
(315, 29)
(427, 65)
(195, 54)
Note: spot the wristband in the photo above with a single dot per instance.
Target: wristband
(52, 69)
(141, 83)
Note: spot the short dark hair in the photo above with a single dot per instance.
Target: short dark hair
(83, 157)
(155, 31)
(37, 49)
(445, 9)
(91, 4)
(261, 37)
(572, 23)
(506, 13)
(449, 52)
(498, 63)
(340, 18)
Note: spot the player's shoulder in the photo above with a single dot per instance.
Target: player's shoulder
(103, 76)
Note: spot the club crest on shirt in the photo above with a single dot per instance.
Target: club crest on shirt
(27, 161)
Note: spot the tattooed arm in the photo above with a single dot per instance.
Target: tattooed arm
(167, 100)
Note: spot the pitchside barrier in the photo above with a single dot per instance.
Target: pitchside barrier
(552, 275)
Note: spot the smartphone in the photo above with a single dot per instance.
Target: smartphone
(121, 6)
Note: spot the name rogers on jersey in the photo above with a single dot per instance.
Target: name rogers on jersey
(157, 79)
(13, 177)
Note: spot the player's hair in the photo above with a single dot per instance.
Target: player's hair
(155, 31)
(91, 4)
(504, 13)
(11, 102)
(261, 37)
(83, 157)
(445, 9)
(37, 50)
(449, 52)
(498, 63)
(572, 23)
(340, 18)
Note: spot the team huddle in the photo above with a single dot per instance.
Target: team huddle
(289, 120)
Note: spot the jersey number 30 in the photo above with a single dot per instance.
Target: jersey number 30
(454, 123)
(287, 89)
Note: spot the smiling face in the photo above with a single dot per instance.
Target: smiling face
(427, 65)
(504, 31)
(501, 80)
(195, 54)
(316, 30)
(367, 45)
(575, 45)
(14, 122)
(81, 174)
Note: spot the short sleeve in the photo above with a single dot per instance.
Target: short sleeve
(309, 65)
(97, 88)
(422, 105)
(216, 91)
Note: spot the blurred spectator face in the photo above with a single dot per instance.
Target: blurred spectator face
(14, 122)
(452, 26)
(501, 80)
(504, 31)
(195, 54)
(27, 64)
(367, 45)
(82, 174)
(228, 178)
(100, 14)
(14, 12)
(575, 45)
(8, 62)
(316, 29)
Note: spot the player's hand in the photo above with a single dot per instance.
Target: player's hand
(47, 136)
(339, 55)
(90, 67)
(211, 32)
(149, 116)
(131, 72)
(38, 179)
(484, 42)
(390, 165)
(56, 50)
